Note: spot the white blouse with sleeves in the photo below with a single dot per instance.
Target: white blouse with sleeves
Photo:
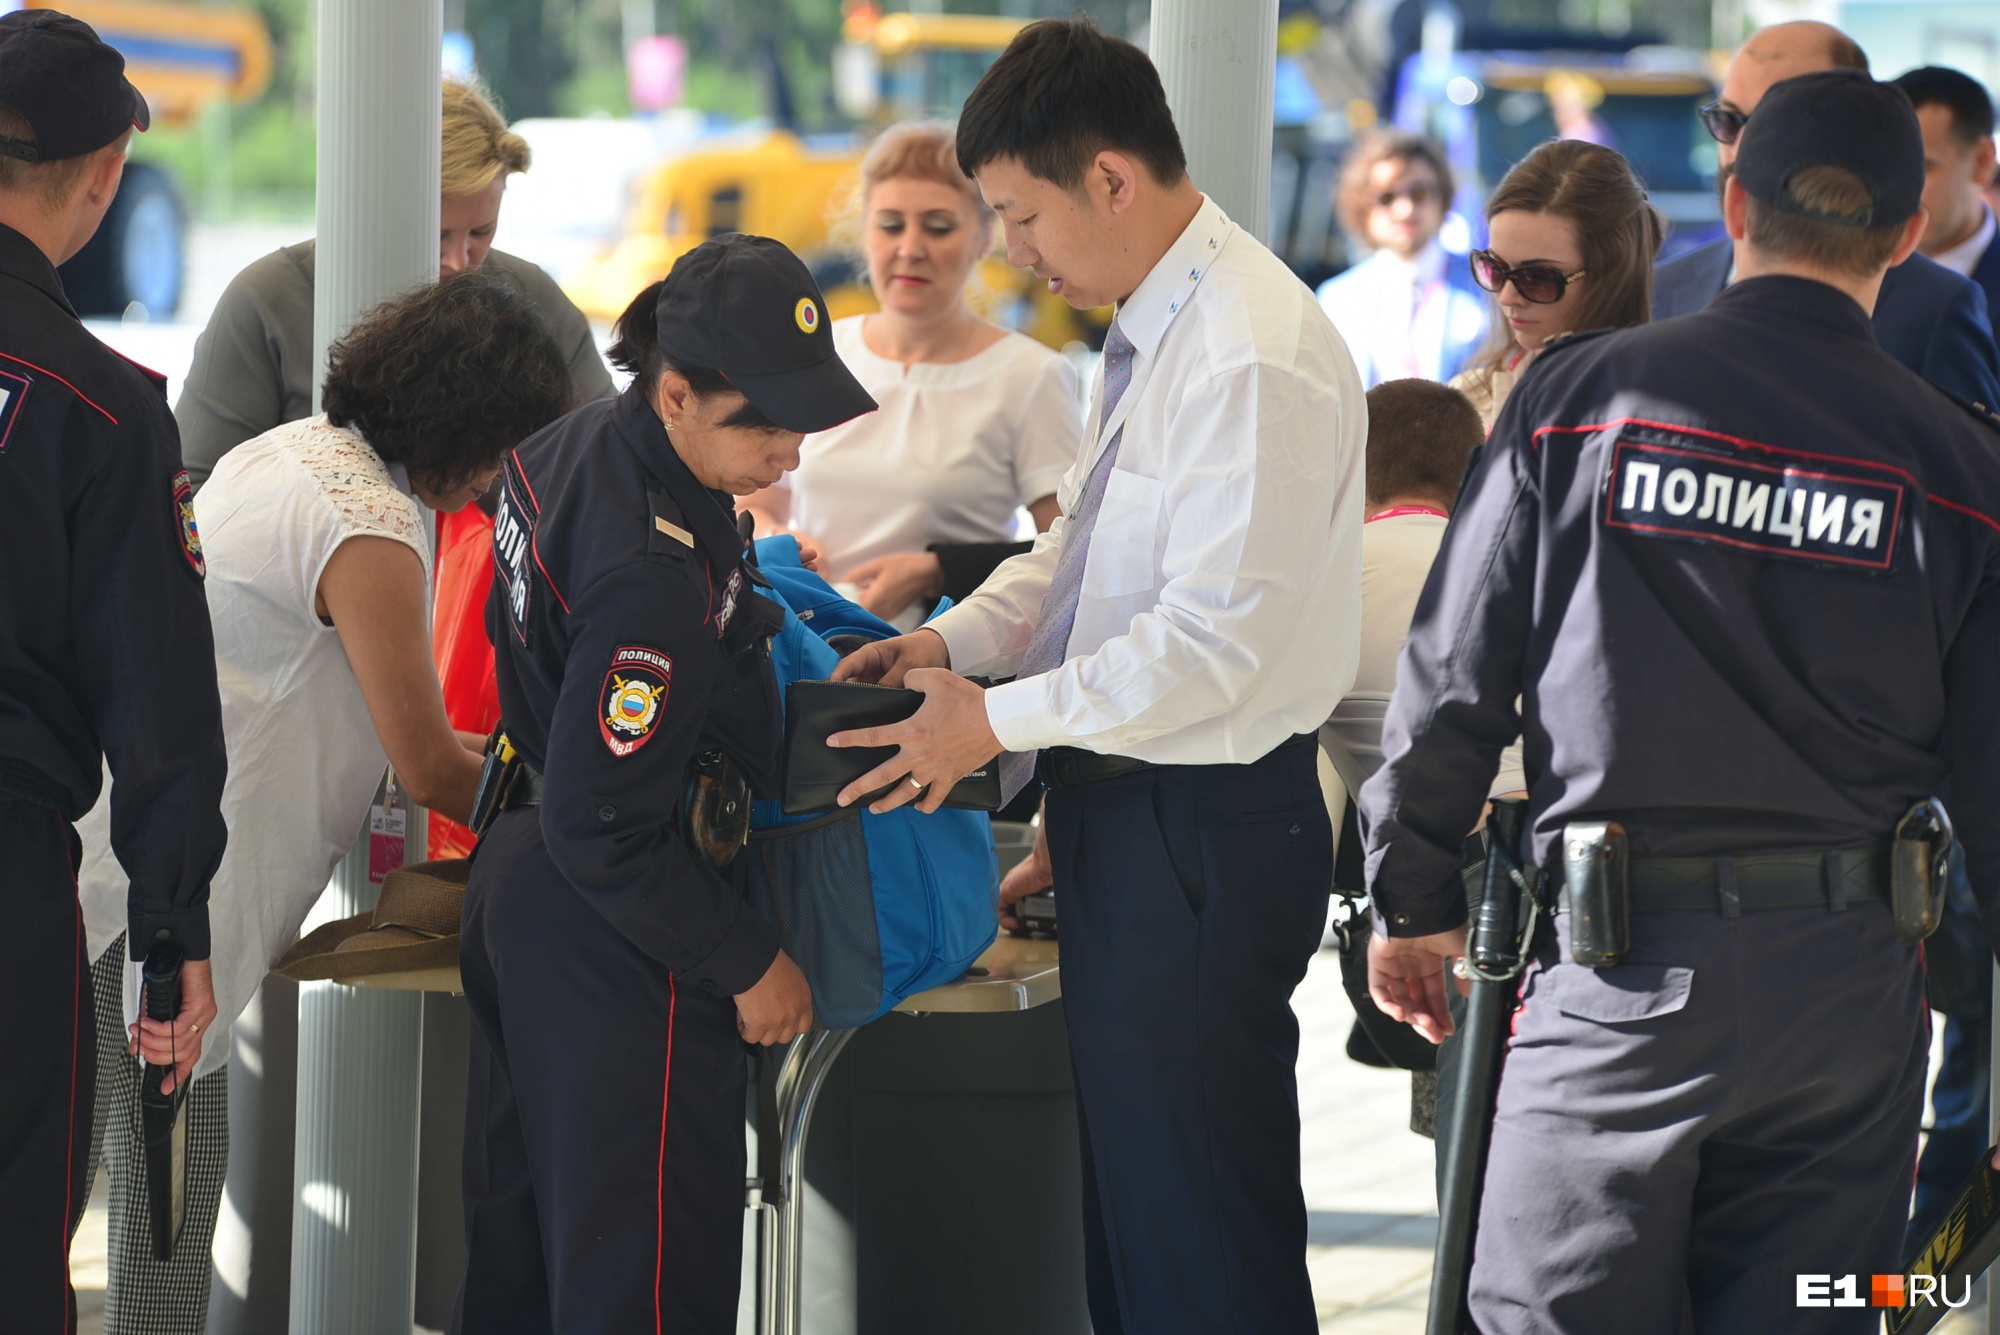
(304, 760)
(955, 449)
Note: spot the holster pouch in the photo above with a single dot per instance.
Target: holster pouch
(715, 808)
(496, 775)
(1920, 869)
(1600, 895)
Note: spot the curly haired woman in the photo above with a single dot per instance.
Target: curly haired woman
(317, 538)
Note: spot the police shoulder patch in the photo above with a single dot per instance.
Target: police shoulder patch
(190, 533)
(635, 690)
(13, 393)
(1699, 486)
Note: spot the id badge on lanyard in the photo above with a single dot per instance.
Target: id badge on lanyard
(1176, 303)
(388, 831)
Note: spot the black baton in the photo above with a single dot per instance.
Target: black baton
(163, 1132)
(1497, 950)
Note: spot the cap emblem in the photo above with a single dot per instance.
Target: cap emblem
(807, 314)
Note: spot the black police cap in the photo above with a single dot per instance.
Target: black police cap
(745, 306)
(60, 77)
(1836, 118)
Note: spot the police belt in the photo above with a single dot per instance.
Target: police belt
(1750, 881)
(1067, 766)
(524, 789)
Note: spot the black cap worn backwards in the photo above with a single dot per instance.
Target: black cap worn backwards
(57, 75)
(745, 306)
(1835, 118)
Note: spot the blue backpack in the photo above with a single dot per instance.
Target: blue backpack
(872, 908)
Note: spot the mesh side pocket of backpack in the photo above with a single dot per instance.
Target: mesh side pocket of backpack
(814, 888)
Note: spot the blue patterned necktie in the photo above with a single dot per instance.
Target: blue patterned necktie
(1051, 639)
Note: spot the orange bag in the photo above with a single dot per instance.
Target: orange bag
(458, 642)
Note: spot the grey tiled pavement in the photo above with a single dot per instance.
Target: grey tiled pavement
(1371, 1206)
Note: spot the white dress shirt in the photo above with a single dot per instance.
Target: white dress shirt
(1964, 257)
(1399, 316)
(1221, 604)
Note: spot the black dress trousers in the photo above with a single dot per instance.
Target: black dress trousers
(1192, 899)
(46, 1104)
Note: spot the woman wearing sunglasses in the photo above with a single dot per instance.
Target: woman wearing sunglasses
(1571, 246)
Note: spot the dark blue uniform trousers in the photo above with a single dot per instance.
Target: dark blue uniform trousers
(1192, 899)
(604, 1148)
(52, 1072)
(1733, 1106)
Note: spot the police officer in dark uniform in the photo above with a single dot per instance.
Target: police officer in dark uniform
(613, 969)
(105, 649)
(1741, 570)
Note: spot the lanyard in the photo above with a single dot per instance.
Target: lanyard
(1397, 512)
(1176, 303)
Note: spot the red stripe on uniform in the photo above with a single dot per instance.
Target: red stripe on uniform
(660, 1197)
(535, 545)
(59, 380)
(523, 472)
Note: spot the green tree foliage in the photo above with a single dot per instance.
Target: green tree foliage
(566, 57)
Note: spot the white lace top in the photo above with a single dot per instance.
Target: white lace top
(304, 759)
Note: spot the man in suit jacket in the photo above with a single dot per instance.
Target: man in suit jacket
(1956, 112)
(1410, 309)
(1932, 320)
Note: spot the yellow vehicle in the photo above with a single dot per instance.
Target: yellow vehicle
(772, 183)
(793, 189)
(182, 57)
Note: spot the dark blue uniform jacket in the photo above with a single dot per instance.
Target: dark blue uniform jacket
(1742, 571)
(1930, 319)
(630, 637)
(105, 646)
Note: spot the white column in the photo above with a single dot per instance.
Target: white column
(360, 1052)
(1218, 60)
(379, 129)
(354, 1171)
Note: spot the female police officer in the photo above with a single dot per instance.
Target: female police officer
(610, 967)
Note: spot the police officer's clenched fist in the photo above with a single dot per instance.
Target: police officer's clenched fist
(778, 1008)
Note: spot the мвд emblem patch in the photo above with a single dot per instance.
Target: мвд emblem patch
(190, 533)
(635, 689)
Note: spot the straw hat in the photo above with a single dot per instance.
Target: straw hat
(414, 927)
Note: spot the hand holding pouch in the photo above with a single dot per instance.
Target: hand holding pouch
(815, 772)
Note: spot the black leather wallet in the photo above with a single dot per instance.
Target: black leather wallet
(815, 772)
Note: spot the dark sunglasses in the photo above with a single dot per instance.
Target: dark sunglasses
(1543, 284)
(1418, 195)
(1723, 123)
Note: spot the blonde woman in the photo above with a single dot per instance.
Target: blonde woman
(917, 500)
(253, 367)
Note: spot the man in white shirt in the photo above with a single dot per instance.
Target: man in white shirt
(1410, 308)
(1956, 113)
(1176, 638)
